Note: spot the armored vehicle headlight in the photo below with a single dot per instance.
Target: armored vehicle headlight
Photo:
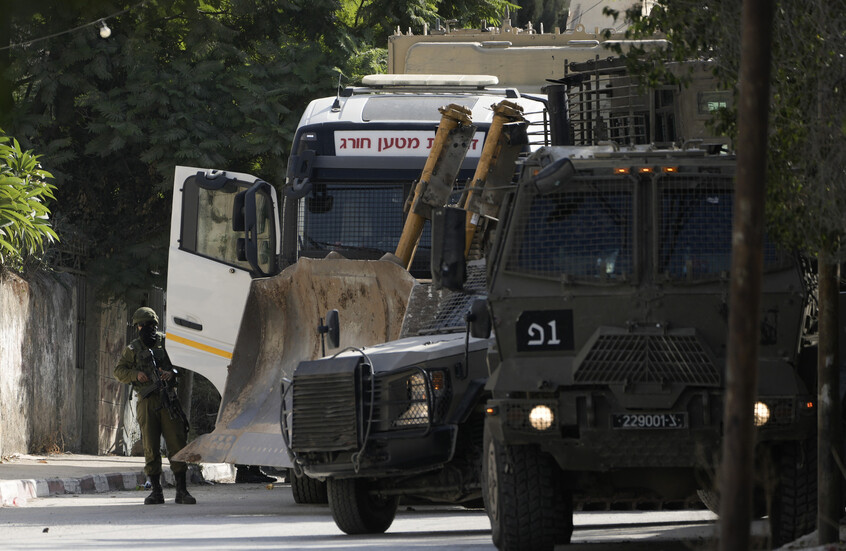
(541, 417)
(761, 415)
(416, 405)
(416, 388)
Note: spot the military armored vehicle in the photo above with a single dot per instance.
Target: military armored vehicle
(608, 291)
(404, 418)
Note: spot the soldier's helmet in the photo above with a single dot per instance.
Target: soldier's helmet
(144, 315)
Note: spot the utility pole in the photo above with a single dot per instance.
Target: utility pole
(828, 403)
(746, 275)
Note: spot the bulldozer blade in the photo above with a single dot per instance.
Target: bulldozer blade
(279, 329)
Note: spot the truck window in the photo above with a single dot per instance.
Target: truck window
(207, 224)
(359, 220)
(585, 234)
(696, 226)
(411, 108)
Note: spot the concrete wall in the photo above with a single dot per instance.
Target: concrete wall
(110, 414)
(40, 383)
(57, 352)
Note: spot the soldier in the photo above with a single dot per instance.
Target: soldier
(135, 367)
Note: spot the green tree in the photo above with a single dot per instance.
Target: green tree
(375, 20)
(24, 214)
(548, 13)
(806, 173)
(211, 83)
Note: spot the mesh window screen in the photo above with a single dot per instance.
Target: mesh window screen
(695, 231)
(584, 234)
(696, 226)
(359, 221)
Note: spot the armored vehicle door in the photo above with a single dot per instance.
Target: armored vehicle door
(224, 232)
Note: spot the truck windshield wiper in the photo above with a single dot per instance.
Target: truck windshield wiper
(323, 245)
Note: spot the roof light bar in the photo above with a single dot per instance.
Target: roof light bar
(476, 81)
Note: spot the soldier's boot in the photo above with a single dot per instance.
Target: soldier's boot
(156, 497)
(182, 495)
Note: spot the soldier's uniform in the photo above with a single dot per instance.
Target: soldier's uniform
(154, 419)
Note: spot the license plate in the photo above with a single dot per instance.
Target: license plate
(649, 421)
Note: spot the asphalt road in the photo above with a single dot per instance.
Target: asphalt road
(253, 516)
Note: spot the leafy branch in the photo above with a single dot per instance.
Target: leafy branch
(24, 216)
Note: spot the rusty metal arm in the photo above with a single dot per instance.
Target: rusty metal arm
(449, 148)
(494, 169)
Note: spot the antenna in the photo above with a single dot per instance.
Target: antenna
(336, 105)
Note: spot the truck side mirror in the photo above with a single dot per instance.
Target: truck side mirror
(239, 216)
(479, 319)
(334, 325)
(554, 176)
(332, 329)
(449, 268)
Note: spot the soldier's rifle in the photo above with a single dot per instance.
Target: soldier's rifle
(167, 393)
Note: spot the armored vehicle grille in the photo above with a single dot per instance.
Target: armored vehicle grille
(782, 409)
(633, 358)
(324, 413)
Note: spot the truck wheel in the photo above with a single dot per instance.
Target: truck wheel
(307, 491)
(355, 510)
(793, 512)
(526, 502)
(711, 500)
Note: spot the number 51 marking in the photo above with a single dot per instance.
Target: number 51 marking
(538, 330)
(537, 335)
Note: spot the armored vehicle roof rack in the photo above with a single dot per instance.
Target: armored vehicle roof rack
(604, 103)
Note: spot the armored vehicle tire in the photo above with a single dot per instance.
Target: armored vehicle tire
(526, 503)
(355, 510)
(307, 491)
(794, 508)
(711, 500)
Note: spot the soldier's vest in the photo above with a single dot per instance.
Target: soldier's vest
(145, 362)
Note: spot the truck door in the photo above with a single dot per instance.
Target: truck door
(224, 232)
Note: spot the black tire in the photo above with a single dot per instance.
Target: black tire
(527, 504)
(793, 512)
(307, 491)
(711, 500)
(356, 511)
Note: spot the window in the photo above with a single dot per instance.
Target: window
(207, 224)
(583, 234)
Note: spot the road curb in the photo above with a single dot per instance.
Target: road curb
(16, 492)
